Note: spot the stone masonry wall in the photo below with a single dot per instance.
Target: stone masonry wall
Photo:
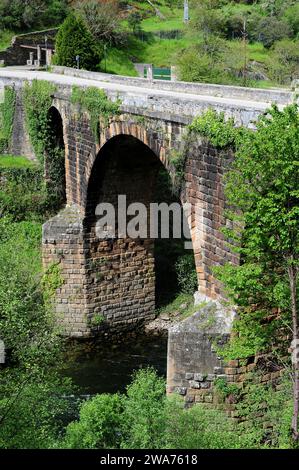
(18, 55)
(204, 189)
(193, 365)
(118, 281)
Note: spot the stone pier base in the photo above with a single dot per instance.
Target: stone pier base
(192, 362)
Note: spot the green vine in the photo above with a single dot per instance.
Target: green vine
(51, 281)
(37, 98)
(226, 389)
(7, 111)
(95, 102)
(220, 133)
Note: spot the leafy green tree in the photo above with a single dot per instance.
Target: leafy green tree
(262, 186)
(103, 20)
(134, 21)
(31, 389)
(99, 425)
(291, 15)
(144, 412)
(208, 20)
(74, 39)
(271, 29)
(20, 15)
(283, 63)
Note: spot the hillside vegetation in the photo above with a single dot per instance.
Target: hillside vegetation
(235, 42)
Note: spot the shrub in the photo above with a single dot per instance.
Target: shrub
(22, 194)
(99, 424)
(186, 274)
(283, 63)
(291, 15)
(144, 412)
(270, 29)
(7, 110)
(199, 428)
(194, 66)
(74, 39)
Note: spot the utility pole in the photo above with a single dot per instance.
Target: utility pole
(105, 56)
(186, 11)
(46, 51)
(244, 34)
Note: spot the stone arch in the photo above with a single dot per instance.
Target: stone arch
(122, 284)
(121, 127)
(55, 167)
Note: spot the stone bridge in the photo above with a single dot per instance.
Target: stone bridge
(114, 279)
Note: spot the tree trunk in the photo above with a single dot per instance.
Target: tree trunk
(292, 273)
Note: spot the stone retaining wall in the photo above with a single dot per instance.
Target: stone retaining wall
(194, 367)
(18, 55)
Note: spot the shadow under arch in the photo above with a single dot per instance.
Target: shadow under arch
(128, 277)
(55, 173)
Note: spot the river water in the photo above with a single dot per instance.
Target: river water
(108, 368)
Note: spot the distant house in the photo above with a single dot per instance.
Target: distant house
(35, 48)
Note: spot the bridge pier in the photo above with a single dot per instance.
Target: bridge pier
(108, 285)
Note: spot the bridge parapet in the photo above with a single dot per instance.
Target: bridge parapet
(279, 95)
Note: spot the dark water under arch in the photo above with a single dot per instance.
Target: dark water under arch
(108, 368)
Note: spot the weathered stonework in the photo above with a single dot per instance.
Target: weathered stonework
(193, 365)
(19, 51)
(114, 279)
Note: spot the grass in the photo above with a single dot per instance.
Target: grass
(119, 63)
(257, 52)
(183, 304)
(159, 52)
(5, 39)
(13, 161)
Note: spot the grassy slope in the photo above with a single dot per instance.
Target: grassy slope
(163, 52)
(11, 161)
(5, 39)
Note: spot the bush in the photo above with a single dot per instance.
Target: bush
(270, 29)
(20, 15)
(144, 412)
(199, 428)
(31, 390)
(22, 194)
(291, 15)
(7, 111)
(74, 39)
(194, 66)
(283, 63)
(186, 274)
(99, 424)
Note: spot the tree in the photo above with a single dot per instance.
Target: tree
(134, 21)
(74, 39)
(208, 19)
(291, 15)
(271, 29)
(102, 20)
(31, 388)
(262, 188)
(20, 15)
(283, 63)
